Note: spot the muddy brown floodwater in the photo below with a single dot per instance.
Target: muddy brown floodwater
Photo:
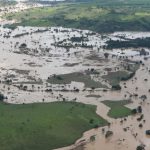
(30, 55)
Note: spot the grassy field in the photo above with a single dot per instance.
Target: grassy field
(114, 78)
(77, 77)
(45, 126)
(96, 15)
(118, 109)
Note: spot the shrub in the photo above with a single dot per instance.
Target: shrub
(2, 97)
(134, 111)
(108, 134)
(140, 147)
(116, 87)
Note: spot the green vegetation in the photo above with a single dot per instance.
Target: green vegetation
(79, 42)
(108, 134)
(7, 3)
(118, 109)
(45, 126)
(2, 97)
(96, 15)
(93, 95)
(78, 39)
(132, 66)
(114, 78)
(130, 43)
(77, 77)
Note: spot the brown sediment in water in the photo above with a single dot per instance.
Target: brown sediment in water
(40, 69)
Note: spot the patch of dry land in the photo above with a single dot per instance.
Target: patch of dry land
(40, 65)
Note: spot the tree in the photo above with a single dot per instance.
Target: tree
(2, 97)
(134, 111)
(140, 147)
(108, 134)
(116, 87)
(23, 45)
(106, 55)
(139, 109)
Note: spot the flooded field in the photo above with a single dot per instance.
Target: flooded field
(30, 57)
(61, 64)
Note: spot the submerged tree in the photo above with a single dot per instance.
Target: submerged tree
(2, 97)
